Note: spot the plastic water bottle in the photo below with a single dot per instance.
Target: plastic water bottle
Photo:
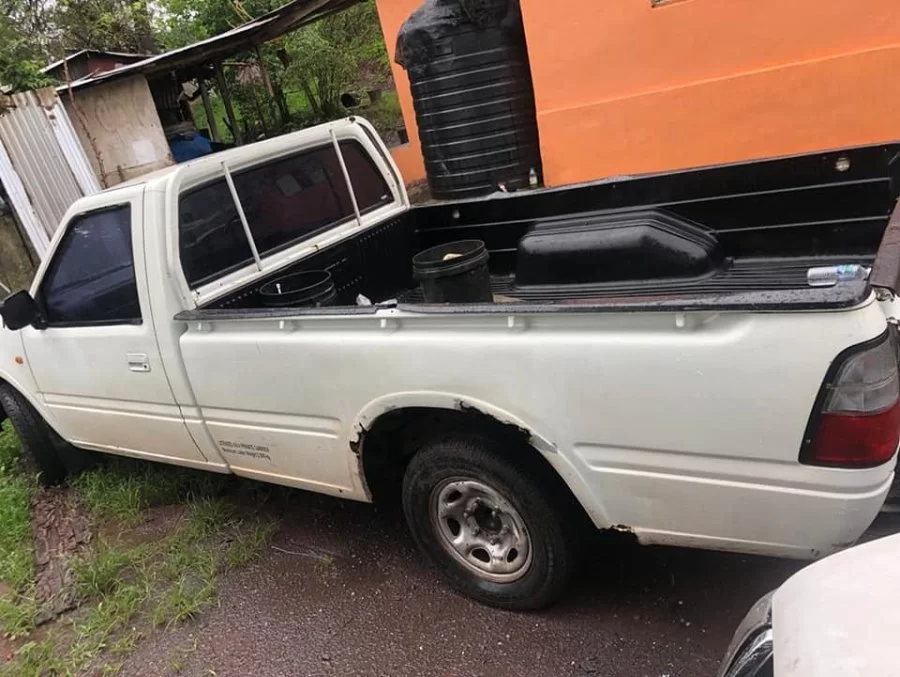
(828, 276)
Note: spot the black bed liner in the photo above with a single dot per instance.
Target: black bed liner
(748, 275)
(775, 219)
(803, 205)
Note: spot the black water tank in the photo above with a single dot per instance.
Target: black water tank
(471, 85)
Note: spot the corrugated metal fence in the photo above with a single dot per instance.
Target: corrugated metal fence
(42, 164)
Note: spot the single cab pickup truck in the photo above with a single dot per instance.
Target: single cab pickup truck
(652, 358)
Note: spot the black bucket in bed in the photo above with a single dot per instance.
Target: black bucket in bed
(302, 290)
(456, 272)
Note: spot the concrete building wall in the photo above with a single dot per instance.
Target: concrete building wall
(629, 86)
(626, 87)
(119, 129)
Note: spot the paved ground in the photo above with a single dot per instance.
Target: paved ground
(343, 592)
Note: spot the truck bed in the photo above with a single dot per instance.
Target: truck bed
(773, 220)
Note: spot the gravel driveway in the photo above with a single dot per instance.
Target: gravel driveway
(343, 592)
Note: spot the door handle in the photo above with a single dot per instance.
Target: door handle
(138, 362)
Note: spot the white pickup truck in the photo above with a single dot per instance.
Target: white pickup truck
(652, 359)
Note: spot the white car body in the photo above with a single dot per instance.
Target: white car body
(681, 427)
(839, 617)
(835, 618)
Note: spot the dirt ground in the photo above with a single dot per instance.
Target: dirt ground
(342, 591)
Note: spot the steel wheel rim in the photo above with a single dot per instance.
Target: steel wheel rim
(481, 529)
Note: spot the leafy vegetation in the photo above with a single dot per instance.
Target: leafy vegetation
(308, 69)
(116, 25)
(36, 32)
(165, 536)
(342, 51)
(287, 84)
(20, 64)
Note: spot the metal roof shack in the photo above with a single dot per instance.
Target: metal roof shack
(86, 62)
(213, 50)
(125, 117)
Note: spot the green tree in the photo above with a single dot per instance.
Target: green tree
(21, 58)
(31, 28)
(343, 51)
(36, 32)
(117, 25)
(183, 22)
(330, 56)
(17, 75)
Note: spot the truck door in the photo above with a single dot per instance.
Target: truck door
(97, 363)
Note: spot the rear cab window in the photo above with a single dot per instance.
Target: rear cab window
(286, 201)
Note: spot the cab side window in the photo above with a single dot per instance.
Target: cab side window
(91, 278)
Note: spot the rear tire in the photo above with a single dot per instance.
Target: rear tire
(48, 454)
(494, 529)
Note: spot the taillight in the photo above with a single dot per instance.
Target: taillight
(856, 420)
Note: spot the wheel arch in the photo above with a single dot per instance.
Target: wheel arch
(6, 381)
(42, 411)
(395, 411)
(366, 418)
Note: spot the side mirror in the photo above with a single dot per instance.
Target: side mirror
(19, 310)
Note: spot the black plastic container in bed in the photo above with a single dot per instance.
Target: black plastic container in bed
(615, 245)
(456, 272)
(310, 289)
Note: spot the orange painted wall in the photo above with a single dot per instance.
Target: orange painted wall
(622, 87)
(408, 157)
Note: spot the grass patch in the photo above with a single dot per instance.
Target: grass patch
(122, 490)
(184, 601)
(107, 570)
(15, 514)
(125, 592)
(248, 543)
(17, 607)
(15, 536)
(17, 612)
(124, 589)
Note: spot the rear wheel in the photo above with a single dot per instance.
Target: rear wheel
(493, 528)
(45, 451)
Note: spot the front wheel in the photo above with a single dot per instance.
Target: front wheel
(39, 447)
(493, 528)
(43, 450)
